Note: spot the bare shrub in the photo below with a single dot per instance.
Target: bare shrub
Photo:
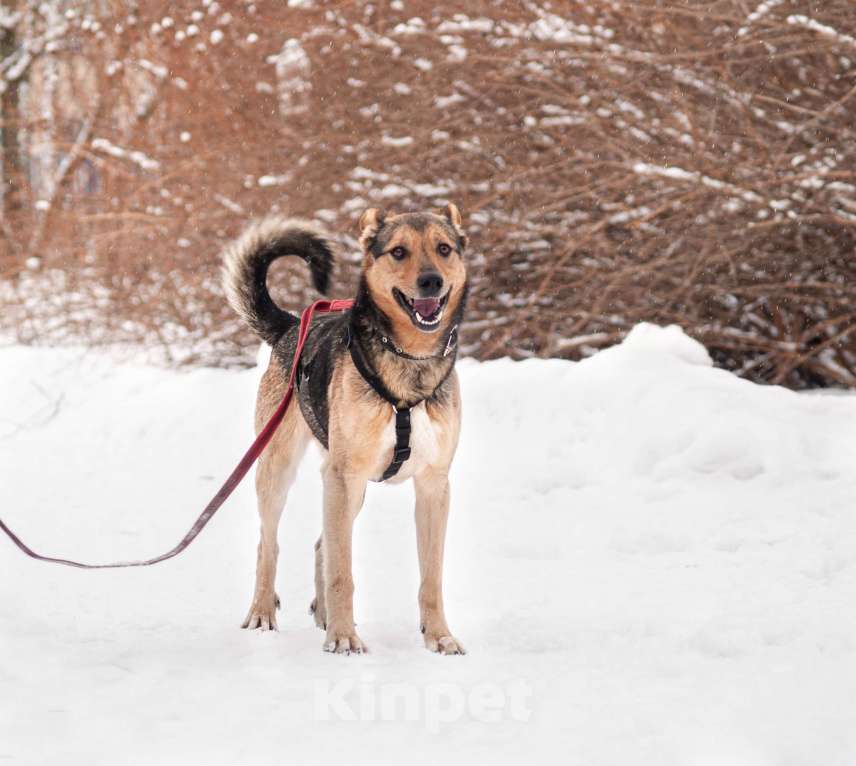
(617, 162)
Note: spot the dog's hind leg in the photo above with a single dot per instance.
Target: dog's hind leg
(274, 477)
(318, 607)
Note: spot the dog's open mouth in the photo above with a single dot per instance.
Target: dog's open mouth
(425, 313)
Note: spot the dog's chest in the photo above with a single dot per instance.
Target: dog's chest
(424, 444)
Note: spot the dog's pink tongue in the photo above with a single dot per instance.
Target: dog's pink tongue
(426, 306)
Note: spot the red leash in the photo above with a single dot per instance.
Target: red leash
(252, 454)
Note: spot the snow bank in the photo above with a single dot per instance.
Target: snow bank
(650, 561)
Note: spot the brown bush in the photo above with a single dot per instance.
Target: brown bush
(617, 162)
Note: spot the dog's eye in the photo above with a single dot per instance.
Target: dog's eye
(398, 252)
(444, 249)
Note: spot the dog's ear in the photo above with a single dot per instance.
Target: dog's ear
(453, 216)
(370, 223)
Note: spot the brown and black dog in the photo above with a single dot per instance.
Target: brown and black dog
(392, 355)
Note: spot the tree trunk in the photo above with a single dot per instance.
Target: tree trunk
(10, 151)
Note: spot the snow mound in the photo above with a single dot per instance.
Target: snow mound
(649, 560)
(647, 338)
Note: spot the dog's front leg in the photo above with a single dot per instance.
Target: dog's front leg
(432, 512)
(343, 498)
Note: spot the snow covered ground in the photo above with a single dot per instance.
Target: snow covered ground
(650, 561)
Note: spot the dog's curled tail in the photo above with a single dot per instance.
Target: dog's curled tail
(246, 262)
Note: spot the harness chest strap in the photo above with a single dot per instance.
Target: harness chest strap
(401, 408)
(401, 450)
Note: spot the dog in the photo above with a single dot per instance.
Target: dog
(377, 390)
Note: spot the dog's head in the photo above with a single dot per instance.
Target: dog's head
(414, 268)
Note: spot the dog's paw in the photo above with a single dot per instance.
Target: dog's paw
(262, 614)
(444, 644)
(319, 613)
(341, 642)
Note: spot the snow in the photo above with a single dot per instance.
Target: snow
(457, 54)
(292, 69)
(645, 168)
(561, 30)
(462, 23)
(444, 102)
(229, 204)
(271, 180)
(396, 141)
(158, 70)
(414, 26)
(650, 561)
(138, 158)
(824, 29)
(762, 10)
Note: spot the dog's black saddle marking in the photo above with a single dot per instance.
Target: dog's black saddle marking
(314, 373)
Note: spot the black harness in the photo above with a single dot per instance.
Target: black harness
(401, 450)
(313, 401)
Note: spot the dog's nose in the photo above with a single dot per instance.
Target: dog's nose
(430, 283)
